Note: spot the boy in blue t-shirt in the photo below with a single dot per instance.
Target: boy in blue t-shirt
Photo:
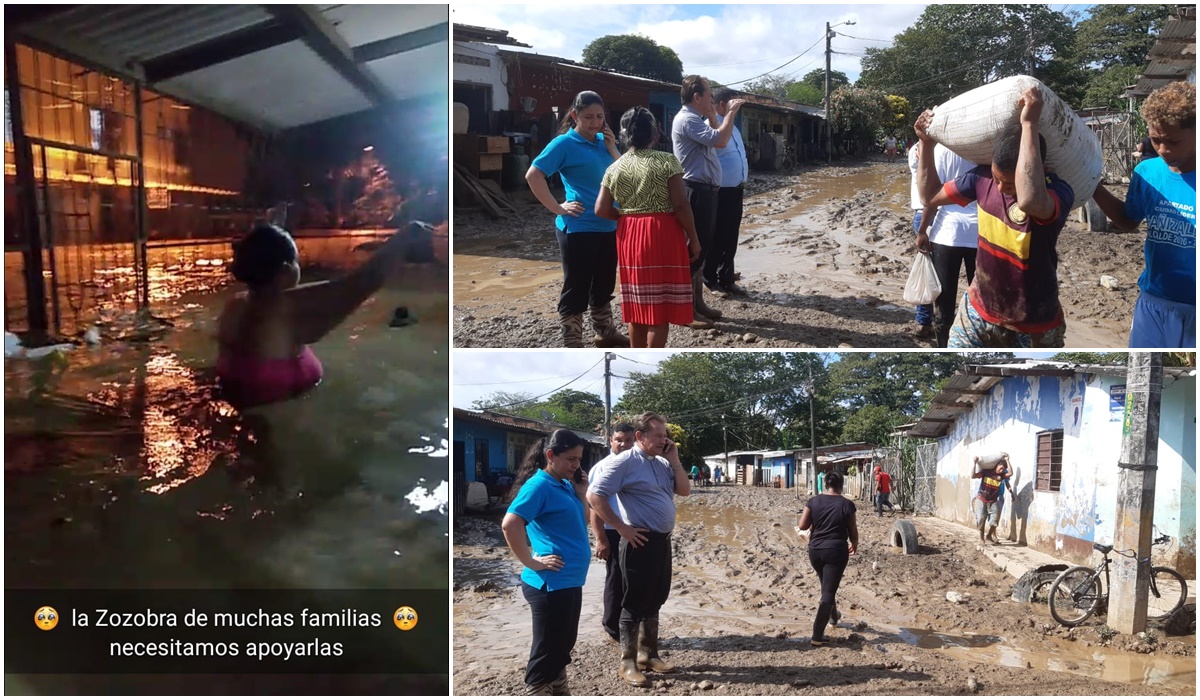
(1163, 194)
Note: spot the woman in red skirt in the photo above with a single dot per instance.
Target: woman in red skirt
(656, 235)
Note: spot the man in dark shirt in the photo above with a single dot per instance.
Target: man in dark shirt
(1013, 300)
(991, 474)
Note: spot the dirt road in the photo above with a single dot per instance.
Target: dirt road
(824, 252)
(744, 596)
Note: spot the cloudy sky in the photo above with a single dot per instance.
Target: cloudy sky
(728, 43)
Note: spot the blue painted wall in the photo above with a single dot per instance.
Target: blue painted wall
(468, 431)
(779, 466)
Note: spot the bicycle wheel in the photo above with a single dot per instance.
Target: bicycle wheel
(1168, 591)
(1074, 596)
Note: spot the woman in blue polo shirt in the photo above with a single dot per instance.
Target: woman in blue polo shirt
(545, 528)
(580, 154)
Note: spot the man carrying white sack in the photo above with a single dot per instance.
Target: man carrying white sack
(1163, 193)
(1013, 301)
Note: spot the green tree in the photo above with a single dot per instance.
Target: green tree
(1107, 85)
(770, 86)
(502, 401)
(816, 79)
(577, 410)
(635, 55)
(951, 49)
(1119, 35)
(858, 113)
(1092, 358)
(900, 117)
(902, 383)
(806, 94)
(872, 424)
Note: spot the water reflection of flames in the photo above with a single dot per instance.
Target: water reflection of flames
(174, 452)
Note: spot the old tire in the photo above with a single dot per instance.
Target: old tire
(1096, 221)
(904, 536)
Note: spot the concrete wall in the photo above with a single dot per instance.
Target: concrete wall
(494, 74)
(1066, 523)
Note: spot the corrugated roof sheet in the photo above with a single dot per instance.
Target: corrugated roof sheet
(1173, 56)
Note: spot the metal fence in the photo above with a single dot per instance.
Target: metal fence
(924, 470)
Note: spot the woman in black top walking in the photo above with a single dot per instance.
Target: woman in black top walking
(831, 522)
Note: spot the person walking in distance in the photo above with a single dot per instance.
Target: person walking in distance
(545, 527)
(608, 540)
(719, 272)
(883, 493)
(695, 142)
(644, 479)
(587, 243)
(832, 530)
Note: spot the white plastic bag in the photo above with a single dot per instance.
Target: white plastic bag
(923, 286)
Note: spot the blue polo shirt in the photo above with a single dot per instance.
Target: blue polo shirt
(734, 165)
(581, 163)
(554, 522)
(1166, 200)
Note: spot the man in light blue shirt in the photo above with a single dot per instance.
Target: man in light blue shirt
(735, 169)
(645, 480)
(694, 141)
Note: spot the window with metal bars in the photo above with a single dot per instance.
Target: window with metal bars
(1049, 460)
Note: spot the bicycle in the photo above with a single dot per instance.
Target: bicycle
(1077, 592)
(789, 158)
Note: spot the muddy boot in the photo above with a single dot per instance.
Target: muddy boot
(608, 335)
(559, 686)
(647, 657)
(540, 689)
(572, 330)
(698, 304)
(629, 651)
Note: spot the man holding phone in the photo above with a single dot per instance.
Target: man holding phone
(644, 479)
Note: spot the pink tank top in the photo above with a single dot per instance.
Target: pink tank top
(257, 381)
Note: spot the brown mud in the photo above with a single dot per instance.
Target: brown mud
(824, 253)
(744, 596)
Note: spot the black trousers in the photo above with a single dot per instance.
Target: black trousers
(646, 575)
(947, 261)
(718, 265)
(704, 211)
(555, 626)
(614, 587)
(589, 262)
(829, 564)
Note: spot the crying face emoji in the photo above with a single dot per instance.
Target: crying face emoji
(405, 618)
(46, 618)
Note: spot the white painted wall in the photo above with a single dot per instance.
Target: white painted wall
(495, 74)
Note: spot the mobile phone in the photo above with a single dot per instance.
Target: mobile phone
(578, 476)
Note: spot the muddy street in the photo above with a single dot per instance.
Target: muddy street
(744, 596)
(824, 252)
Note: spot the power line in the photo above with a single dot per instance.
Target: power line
(737, 82)
(542, 396)
(517, 381)
(636, 361)
(882, 41)
(743, 63)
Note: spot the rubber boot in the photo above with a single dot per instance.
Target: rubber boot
(629, 649)
(572, 330)
(648, 659)
(698, 297)
(559, 686)
(607, 333)
(542, 689)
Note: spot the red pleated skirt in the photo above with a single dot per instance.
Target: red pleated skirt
(656, 280)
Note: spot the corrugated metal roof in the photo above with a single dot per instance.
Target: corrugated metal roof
(277, 67)
(964, 390)
(1173, 56)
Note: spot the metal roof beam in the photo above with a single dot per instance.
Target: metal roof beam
(258, 37)
(321, 36)
(15, 16)
(403, 43)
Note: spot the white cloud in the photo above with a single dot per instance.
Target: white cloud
(725, 42)
(481, 373)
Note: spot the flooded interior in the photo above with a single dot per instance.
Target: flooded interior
(124, 469)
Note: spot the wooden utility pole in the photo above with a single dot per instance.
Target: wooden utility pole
(812, 427)
(1135, 493)
(725, 439)
(828, 111)
(608, 398)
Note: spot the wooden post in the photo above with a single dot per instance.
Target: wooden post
(1135, 493)
(27, 207)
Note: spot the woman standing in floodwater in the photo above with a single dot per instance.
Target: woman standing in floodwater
(832, 523)
(580, 154)
(546, 529)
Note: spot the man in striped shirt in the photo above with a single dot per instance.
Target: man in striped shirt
(1013, 300)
